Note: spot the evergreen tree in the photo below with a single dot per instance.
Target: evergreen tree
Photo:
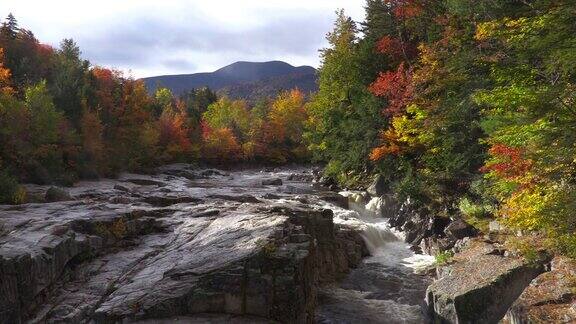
(344, 117)
(9, 27)
(69, 81)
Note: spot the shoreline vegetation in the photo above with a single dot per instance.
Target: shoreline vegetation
(467, 107)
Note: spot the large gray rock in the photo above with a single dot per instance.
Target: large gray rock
(54, 194)
(459, 229)
(479, 286)
(378, 187)
(95, 261)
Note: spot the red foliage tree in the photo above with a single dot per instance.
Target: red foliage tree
(406, 9)
(510, 162)
(390, 45)
(5, 74)
(397, 87)
(174, 133)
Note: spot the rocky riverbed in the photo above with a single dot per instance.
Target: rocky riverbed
(189, 245)
(181, 242)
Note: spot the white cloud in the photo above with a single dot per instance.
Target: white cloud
(178, 36)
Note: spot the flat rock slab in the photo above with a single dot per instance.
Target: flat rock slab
(155, 248)
(479, 286)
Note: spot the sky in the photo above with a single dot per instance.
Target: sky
(147, 38)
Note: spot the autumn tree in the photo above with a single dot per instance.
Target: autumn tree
(344, 117)
(5, 75)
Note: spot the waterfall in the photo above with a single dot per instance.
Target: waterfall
(385, 244)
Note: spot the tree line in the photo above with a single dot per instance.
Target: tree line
(63, 119)
(468, 107)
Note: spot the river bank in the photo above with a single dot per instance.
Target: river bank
(182, 242)
(245, 246)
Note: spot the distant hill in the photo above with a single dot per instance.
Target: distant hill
(248, 80)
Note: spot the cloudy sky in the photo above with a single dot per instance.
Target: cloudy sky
(184, 36)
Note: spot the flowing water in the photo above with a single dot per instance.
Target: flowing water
(386, 287)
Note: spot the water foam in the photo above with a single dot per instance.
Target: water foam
(385, 244)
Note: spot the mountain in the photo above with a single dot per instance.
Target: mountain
(248, 80)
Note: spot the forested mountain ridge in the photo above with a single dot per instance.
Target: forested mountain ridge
(246, 80)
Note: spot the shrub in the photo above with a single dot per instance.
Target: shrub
(10, 191)
(527, 247)
(476, 214)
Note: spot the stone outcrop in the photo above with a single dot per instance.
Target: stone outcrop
(54, 194)
(378, 187)
(159, 247)
(550, 297)
(272, 182)
(479, 285)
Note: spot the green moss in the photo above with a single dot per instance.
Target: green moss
(444, 257)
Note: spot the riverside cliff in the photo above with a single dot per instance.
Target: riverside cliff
(182, 242)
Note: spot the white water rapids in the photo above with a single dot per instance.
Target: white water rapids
(385, 288)
(386, 245)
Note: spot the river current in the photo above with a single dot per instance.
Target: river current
(387, 286)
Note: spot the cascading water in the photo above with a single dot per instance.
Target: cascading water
(385, 288)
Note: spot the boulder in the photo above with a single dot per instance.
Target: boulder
(495, 227)
(550, 297)
(459, 229)
(301, 177)
(54, 194)
(433, 245)
(479, 285)
(378, 186)
(335, 198)
(272, 182)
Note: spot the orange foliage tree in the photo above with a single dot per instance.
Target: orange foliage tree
(5, 74)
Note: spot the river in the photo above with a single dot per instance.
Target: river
(138, 247)
(387, 286)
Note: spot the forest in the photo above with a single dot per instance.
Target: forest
(63, 119)
(466, 107)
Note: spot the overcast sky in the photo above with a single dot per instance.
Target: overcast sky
(177, 36)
